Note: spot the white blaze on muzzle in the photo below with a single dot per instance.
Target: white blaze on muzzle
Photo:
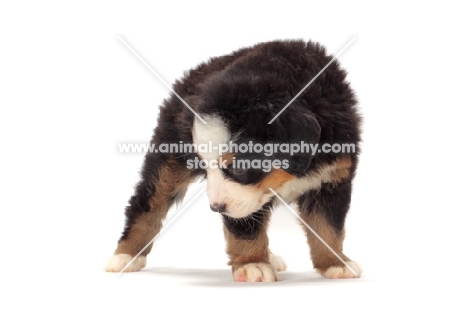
(239, 200)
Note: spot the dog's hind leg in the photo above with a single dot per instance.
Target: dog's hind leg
(164, 180)
(324, 211)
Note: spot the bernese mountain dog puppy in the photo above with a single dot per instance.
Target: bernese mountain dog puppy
(230, 114)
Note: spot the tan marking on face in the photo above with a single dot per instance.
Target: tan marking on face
(226, 159)
(275, 180)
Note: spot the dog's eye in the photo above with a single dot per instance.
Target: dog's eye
(237, 170)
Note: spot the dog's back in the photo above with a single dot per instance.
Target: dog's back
(297, 141)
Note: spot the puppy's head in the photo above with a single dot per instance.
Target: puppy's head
(243, 164)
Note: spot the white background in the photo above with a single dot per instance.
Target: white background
(70, 92)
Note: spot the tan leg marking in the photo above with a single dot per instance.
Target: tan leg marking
(322, 257)
(250, 259)
(173, 180)
(341, 169)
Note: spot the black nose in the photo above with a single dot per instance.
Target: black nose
(219, 208)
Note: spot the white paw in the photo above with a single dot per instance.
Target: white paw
(277, 262)
(255, 272)
(343, 272)
(117, 262)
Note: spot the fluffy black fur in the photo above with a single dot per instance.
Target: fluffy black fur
(247, 89)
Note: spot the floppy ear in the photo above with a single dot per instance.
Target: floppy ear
(299, 128)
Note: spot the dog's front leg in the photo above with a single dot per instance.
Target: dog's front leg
(247, 248)
(324, 211)
(163, 181)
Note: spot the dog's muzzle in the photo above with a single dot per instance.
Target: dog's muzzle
(219, 208)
